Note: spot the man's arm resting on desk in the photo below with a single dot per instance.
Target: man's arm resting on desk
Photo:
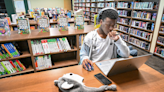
(122, 48)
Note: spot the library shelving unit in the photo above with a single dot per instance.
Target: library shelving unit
(129, 24)
(35, 24)
(142, 36)
(159, 49)
(59, 59)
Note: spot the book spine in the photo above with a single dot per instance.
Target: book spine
(21, 65)
(4, 66)
(6, 50)
(11, 62)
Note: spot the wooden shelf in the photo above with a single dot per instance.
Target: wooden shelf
(145, 9)
(138, 46)
(140, 38)
(122, 31)
(61, 64)
(30, 69)
(72, 50)
(158, 55)
(111, 1)
(124, 8)
(143, 19)
(123, 24)
(24, 55)
(125, 16)
(161, 33)
(142, 29)
(100, 7)
(161, 44)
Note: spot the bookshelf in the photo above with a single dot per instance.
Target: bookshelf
(129, 7)
(159, 48)
(59, 59)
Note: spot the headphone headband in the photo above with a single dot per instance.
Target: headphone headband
(101, 11)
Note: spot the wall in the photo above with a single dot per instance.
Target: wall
(158, 22)
(46, 3)
(67, 4)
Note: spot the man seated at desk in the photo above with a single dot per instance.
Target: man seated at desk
(103, 43)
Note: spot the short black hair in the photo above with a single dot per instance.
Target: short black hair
(110, 13)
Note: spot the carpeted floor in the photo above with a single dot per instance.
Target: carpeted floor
(155, 62)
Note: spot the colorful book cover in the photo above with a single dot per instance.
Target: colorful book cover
(79, 22)
(43, 23)
(4, 27)
(62, 23)
(8, 20)
(23, 26)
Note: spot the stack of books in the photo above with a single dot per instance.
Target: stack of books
(160, 40)
(46, 46)
(124, 13)
(123, 28)
(42, 62)
(159, 51)
(146, 5)
(8, 50)
(11, 66)
(143, 25)
(141, 34)
(144, 15)
(123, 21)
(139, 43)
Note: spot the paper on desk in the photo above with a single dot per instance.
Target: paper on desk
(105, 66)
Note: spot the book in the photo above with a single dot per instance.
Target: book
(8, 20)
(43, 23)
(4, 27)
(62, 23)
(79, 22)
(23, 26)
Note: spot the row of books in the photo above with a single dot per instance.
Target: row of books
(144, 15)
(11, 66)
(160, 40)
(111, 4)
(125, 5)
(50, 45)
(93, 5)
(145, 5)
(141, 34)
(139, 43)
(161, 29)
(123, 28)
(8, 50)
(124, 37)
(93, 9)
(143, 25)
(123, 21)
(87, 5)
(81, 39)
(42, 62)
(82, 4)
(124, 13)
(163, 18)
(100, 4)
(159, 51)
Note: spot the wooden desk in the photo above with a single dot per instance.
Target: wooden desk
(145, 79)
(34, 23)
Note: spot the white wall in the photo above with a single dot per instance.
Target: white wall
(46, 3)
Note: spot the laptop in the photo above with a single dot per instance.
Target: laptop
(121, 65)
